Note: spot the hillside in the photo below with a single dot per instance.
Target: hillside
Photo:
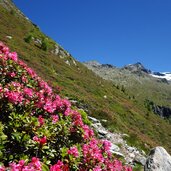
(101, 98)
(137, 81)
(40, 131)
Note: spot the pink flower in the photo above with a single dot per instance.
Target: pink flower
(67, 112)
(43, 140)
(13, 56)
(73, 151)
(1, 89)
(31, 72)
(41, 120)
(24, 79)
(106, 145)
(3, 49)
(57, 167)
(55, 119)
(36, 164)
(21, 162)
(28, 92)
(87, 132)
(2, 168)
(12, 74)
(6, 50)
(35, 138)
(14, 97)
(127, 168)
(97, 168)
(76, 118)
(49, 106)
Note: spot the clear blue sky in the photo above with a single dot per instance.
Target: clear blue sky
(118, 32)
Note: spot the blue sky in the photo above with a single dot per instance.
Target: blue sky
(118, 32)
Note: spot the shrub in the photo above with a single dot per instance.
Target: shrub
(41, 131)
(44, 45)
(28, 39)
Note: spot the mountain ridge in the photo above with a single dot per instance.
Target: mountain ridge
(137, 68)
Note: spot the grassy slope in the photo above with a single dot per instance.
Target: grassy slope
(80, 83)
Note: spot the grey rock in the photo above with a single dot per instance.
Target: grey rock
(62, 53)
(158, 160)
(74, 62)
(104, 120)
(108, 136)
(131, 149)
(67, 62)
(38, 41)
(132, 155)
(140, 159)
(94, 120)
(117, 153)
(162, 111)
(98, 125)
(93, 63)
(9, 37)
(114, 147)
(105, 97)
(102, 132)
(56, 50)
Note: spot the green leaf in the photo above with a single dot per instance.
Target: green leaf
(45, 167)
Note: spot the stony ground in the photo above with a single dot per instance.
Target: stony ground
(119, 146)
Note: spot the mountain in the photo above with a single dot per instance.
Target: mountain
(138, 81)
(137, 68)
(121, 103)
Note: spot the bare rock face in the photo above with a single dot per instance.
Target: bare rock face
(158, 160)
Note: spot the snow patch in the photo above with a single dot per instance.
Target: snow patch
(166, 75)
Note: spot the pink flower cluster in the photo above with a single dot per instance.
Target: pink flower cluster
(41, 141)
(24, 90)
(34, 165)
(73, 151)
(59, 166)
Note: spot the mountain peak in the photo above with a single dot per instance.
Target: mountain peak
(137, 68)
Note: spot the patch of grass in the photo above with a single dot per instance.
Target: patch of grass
(138, 167)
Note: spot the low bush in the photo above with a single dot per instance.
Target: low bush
(41, 131)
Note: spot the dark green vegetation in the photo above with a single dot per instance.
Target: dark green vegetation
(102, 98)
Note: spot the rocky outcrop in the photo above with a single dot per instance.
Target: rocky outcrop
(162, 111)
(92, 63)
(137, 68)
(158, 160)
(107, 66)
(119, 146)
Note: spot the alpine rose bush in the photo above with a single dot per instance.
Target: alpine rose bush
(39, 130)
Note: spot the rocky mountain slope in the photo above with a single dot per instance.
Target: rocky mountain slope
(100, 98)
(151, 88)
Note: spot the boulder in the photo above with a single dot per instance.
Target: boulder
(102, 132)
(94, 120)
(140, 159)
(114, 148)
(158, 160)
